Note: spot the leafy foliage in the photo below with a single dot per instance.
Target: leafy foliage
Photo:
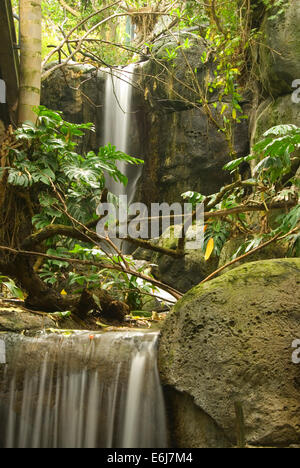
(128, 288)
(272, 154)
(47, 156)
(273, 180)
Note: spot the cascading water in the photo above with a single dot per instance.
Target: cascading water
(118, 113)
(82, 391)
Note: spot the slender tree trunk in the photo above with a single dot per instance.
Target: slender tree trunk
(31, 58)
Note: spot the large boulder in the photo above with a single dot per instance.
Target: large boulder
(280, 50)
(230, 341)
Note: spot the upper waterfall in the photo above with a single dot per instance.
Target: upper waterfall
(117, 123)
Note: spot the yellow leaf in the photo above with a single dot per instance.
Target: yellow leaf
(234, 114)
(209, 249)
(223, 109)
(64, 293)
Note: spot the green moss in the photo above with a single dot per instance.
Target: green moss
(264, 271)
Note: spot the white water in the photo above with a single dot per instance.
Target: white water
(82, 392)
(117, 123)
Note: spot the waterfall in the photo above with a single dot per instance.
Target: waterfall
(82, 391)
(117, 124)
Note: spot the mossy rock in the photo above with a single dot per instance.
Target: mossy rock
(270, 113)
(230, 340)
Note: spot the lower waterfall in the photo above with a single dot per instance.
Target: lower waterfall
(82, 391)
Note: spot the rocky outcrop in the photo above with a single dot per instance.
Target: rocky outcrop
(275, 112)
(230, 340)
(183, 149)
(17, 319)
(176, 76)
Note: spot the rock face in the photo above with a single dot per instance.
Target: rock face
(275, 112)
(79, 92)
(279, 64)
(183, 149)
(229, 340)
(279, 69)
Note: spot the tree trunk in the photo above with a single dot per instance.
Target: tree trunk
(31, 59)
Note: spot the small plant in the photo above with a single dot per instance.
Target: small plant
(12, 288)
